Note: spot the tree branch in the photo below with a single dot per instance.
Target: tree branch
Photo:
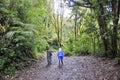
(88, 5)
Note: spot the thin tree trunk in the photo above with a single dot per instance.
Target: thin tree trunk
(58, 31)
(94, 42)
(61, 30)
(75, 28)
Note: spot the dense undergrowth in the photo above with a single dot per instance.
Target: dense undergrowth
(20, 41)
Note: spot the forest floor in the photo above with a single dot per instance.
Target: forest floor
(74, 68)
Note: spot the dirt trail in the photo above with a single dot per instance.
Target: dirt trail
(74, 68)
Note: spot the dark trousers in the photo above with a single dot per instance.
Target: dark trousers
(49, 60)
(60, 62)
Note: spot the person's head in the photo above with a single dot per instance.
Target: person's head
(60, 49)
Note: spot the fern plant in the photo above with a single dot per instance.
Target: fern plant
(21, 43)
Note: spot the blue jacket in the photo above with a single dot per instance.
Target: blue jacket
(60, 53)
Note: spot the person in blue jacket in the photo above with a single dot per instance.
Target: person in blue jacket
(60, 55)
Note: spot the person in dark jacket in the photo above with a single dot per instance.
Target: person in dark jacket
(60, 55)
(49, 55)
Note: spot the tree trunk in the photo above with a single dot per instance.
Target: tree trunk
(75, 28)
(58, 31)
(103, 28)
(94, 43)
(61, 29)
(115, 11)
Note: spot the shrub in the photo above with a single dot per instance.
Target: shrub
(18, 48)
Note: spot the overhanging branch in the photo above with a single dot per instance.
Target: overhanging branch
(87, 5)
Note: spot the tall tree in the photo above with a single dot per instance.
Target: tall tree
(103, 26)
(100, 7)
(58, 21)
(115, 14)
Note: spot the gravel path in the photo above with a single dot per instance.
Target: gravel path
(74, 68)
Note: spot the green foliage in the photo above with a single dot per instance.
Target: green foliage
(20, 48)
(79, 47)
(53, 43)
(2, 61)
(20, 41)
(68, 49)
